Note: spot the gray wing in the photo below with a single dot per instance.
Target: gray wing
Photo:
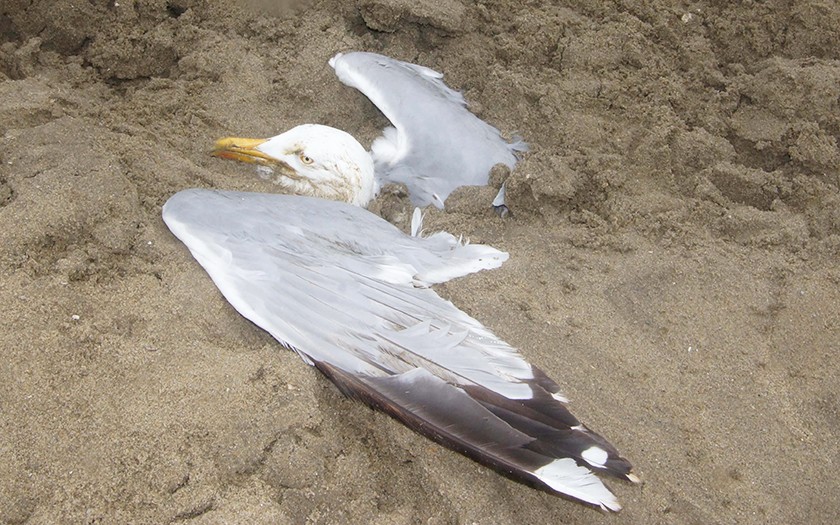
(435, 144)
(344, 289)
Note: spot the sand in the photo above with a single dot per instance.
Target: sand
(674, 258)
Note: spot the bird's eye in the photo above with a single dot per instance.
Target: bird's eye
(305, 159)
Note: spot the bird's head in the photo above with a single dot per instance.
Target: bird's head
(310, 159)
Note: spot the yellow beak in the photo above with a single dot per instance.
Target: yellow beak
(244, 150)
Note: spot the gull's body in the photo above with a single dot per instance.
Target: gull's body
(349, 293)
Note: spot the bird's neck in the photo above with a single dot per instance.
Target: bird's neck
(355, 184)
(358, 192)
(366, 193)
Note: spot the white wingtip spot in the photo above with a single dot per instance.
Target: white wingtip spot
(595, 456)
(567, 477)
(560, 397)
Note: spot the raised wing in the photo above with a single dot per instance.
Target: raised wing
(345, 290)
(435, 144)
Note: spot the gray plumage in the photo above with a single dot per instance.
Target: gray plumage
(435, 144)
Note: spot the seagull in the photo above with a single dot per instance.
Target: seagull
(434, 144)
(351, 294)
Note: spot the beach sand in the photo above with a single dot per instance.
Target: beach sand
(674, 258)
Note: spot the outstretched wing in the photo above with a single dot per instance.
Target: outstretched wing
(346, 290)
(435, 144)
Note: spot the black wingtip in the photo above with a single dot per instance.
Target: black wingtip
(529, 451)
